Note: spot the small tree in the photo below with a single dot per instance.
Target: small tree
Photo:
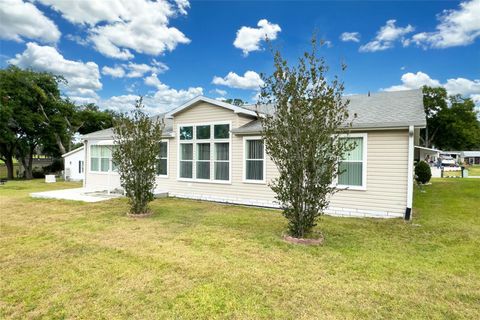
(303, 136)
(137, 146)
(423, 173)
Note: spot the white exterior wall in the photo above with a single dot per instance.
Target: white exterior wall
(99, 180)
(71, 166)
(386, 179)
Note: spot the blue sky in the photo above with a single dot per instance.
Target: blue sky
(113, 51)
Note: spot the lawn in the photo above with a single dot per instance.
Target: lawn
(474, 170)
(200, 260)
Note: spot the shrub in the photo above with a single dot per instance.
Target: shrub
(37, 173)
(136, 140)
(423, 172)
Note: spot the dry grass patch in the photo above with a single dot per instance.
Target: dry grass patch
(200, 260)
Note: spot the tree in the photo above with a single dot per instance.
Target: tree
(452, 122)
(236, 102)
(24, 94)
(34, 116)
(434, 101)
(303, 136)
(137, 146)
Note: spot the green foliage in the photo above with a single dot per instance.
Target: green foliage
(452, 122)
(423, 173)
(35, 118)
(136, 140)
(235, 101)
(302, 138)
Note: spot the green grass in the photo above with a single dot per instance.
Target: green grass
(474, 170)
(200, 260)
(3, 170)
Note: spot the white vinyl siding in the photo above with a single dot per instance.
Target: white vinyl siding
(386, 174)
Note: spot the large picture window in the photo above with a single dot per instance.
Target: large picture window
(101, 158)
(162, 162)
(352, 166)
(254, 152)
(205, 152)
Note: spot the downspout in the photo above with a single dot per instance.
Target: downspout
(85, 164)
(408, 210)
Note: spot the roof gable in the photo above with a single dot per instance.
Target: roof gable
(196, 100)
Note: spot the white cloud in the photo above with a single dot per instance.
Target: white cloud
(135, 70)
(414, 81)
(114, 72)
(220, 92)
(83, 78)
(350, 36)
(248, 39)
(250, 80)
(116, 27)
(465, 87)
(456, 28)
(386, 37)
(19, 19)
(163, 99)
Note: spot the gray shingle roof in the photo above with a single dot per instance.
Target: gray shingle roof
(378, 110)
(108, 133)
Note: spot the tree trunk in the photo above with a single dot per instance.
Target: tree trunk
(60, 144)
(9, 164)
(6, 152)
(27, 163)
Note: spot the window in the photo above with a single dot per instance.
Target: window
(203, 132)
(221, 131)
(162, 162)
(205, 155)
(100, 158)
(186, 160)
(254, 160)
(222, 161)
(203, 161)
(352, 167)
(80, 166)
(186, 133)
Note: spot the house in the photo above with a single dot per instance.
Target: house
(470, 157)
(212, 150)
(74, 164)
(429, 155)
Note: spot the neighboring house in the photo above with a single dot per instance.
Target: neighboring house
(213, 150)
(74, 164)
(471, 157)
(429, 155)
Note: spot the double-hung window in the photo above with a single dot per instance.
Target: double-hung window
(101, 158)
(162, 161)
(352, 167)
(254, 155)
(204, 152)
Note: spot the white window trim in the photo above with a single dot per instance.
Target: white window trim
(168, 160)
(244, 160)
(212, 142)
(363, 187)
(110, 171)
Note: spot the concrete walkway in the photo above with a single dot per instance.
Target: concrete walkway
(77, 194)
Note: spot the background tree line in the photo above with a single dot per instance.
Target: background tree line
(36, 119)
(452, 122)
